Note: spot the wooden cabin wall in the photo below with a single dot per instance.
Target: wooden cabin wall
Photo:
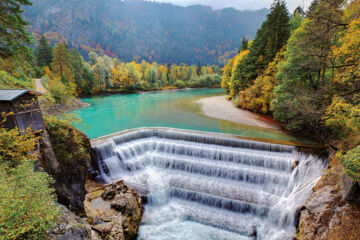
(26, 113)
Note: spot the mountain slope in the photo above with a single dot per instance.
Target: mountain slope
(146, 30)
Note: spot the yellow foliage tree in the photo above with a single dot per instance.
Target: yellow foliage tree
(343, 115)
(237, 81)
(225, 80)
(258, 96)
(16, 148)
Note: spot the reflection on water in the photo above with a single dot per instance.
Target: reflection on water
(175, 109)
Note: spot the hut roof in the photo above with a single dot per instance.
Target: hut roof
(8, 95)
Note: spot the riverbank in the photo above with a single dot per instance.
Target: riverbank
(219, 107)
(119, 92)
(332, 212)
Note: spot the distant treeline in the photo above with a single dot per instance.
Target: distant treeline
(66, 73)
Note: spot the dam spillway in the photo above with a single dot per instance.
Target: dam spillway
(209, 186)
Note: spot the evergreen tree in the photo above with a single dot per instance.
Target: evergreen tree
(244, 44)
(198, 69)
(312, 7)
(44, 53)
(13, 33)
(304, 73)
(299, 11)
(269, 39)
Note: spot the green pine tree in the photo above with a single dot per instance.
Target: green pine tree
(269, 39)
(244, 44)
(44, 53)
(198, 69)
(13, 33)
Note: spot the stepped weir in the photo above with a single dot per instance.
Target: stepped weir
(209, 186)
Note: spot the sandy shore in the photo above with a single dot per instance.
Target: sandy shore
(219, 107)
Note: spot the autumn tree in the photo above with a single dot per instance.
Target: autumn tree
(78, 69)
(325, 21)
(27, 203)
(62, 64)
(88, 80)
(299, 99)
(238, 80)
(259, 95)
(225, 79)
(344, 112)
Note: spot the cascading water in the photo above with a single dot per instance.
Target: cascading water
(210, 186)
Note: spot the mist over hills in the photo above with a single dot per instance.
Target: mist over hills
(137, 30)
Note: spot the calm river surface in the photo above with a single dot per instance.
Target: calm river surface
(175, 109)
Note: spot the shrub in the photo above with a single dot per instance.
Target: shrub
(27, 203)
(208, 80)
(9, 81)
(67, 140)
(16, 148)
(180, 84)
(61, 93)
(351, 163)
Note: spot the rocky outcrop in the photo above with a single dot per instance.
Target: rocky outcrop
(56, 109)
(70, 226)
(69, 176)
(115, 212)
(332, 212)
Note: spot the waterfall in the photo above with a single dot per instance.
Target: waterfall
(210, 186)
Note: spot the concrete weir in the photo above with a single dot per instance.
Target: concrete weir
(201, 185)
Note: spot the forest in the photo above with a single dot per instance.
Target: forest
(65, 73)
(303, 69)
(144, 30)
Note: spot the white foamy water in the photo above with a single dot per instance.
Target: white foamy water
(206, 186)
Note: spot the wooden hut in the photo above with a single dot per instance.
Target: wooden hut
(23, 109)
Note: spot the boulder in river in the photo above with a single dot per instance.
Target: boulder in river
(115, 212)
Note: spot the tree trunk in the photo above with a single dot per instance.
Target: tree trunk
(326, 53)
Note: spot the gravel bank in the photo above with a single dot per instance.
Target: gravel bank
(219, 107)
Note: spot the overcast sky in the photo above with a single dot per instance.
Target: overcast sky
(239, 4)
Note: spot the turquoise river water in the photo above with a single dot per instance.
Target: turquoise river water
(175, 109)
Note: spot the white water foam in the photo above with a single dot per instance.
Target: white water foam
(202, 186)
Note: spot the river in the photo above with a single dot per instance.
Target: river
(174, 109)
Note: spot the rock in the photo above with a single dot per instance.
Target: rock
(115, 211)
(295, 164)
(70, 226)
(350, 190)
(328, 215)
(56, 109)
(69, 177)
